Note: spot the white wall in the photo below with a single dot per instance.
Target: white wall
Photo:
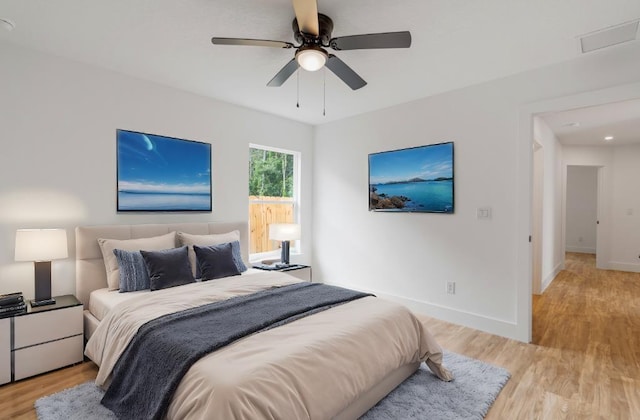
(625, 209)
(58, 162)
(411, 256)
(618, 245)
(582, 209)
(552, 245)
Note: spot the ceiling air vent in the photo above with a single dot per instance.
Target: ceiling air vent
(609, 36)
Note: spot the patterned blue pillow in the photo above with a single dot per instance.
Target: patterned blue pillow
(133, 271)
(237, 256)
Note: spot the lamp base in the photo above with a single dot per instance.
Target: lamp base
(284, 254)
(43, 302)
(42, 271)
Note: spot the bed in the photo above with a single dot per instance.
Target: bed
(336, 363)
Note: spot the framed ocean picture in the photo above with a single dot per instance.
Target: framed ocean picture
(158, 173)
(418, 179)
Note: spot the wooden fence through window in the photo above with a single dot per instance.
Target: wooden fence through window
(262, 212)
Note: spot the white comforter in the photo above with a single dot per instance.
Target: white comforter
(311, 368)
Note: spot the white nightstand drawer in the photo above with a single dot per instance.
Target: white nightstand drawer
(39, 328)
(301, 273)
(5, 350)
(37, 359)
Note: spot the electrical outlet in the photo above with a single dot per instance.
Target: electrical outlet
(451, 287)
(483, 213)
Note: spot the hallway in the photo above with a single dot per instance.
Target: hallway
(590, 310)
(593, 316)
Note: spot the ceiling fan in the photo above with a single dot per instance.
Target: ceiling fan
(313, 31)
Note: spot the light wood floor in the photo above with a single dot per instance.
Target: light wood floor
(585, 363)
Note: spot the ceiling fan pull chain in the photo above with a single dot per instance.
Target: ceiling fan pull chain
(324, 92)
(298, 90)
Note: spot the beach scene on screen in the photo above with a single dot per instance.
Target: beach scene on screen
(157, 173)
(418, 179)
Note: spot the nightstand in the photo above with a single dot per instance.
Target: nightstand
(47, 337)
(5, 350)
(303, 272)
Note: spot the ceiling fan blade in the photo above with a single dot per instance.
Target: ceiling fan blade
(345, 73)
(307, 16)
(251, 42)
(382, 40)
(284, 74)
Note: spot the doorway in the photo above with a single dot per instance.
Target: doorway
(581, 218)
(524, 196)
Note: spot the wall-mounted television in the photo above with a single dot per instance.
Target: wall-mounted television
(418, 179)
(158, 173)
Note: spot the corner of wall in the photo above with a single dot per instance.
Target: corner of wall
(546, 282)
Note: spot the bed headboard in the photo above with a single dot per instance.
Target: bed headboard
(90, 270)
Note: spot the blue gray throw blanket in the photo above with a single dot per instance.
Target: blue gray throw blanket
(162, 351)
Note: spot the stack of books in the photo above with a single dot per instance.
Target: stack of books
(12, 304)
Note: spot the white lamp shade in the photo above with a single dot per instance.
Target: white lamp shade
(41, 244)
(284, 231)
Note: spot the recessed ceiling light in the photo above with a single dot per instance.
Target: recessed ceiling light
(7, 24)
(608, 138)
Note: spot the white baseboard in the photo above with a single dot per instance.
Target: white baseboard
(547, 280)
(633, 268)
(580, 249)
(468, 319)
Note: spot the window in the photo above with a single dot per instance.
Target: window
(273, 197)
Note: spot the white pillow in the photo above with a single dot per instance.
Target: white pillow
(205, 240)
(156, 243)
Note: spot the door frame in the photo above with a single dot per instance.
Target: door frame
(600, 216)
(537, 215)
(524, 183)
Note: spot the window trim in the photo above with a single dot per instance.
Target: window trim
(296, 248)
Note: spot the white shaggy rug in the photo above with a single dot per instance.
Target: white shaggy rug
(422, 396)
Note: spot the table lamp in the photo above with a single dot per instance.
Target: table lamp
(285, 232)
(41, 246)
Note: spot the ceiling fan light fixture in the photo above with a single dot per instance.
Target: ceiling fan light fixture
(311, 58)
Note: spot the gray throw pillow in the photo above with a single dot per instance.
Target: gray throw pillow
(237, 259)
(133, 271)
(216, 261)
(168, 268)
(107, 246)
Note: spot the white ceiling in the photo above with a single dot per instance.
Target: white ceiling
(621, 120)
(456, 43)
